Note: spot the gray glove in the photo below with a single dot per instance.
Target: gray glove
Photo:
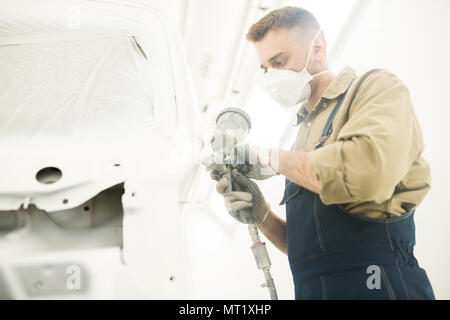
(211, 163)
(254, 162)
(249, 197)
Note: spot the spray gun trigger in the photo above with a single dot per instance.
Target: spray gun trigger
(229, 160)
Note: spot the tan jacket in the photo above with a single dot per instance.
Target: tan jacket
(371, 163)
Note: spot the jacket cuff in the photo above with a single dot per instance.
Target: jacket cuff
(327, 165)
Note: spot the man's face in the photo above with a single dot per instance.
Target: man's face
(282, 49)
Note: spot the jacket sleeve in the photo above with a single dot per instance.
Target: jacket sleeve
(375, 148)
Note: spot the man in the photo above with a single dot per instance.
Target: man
(353, 177)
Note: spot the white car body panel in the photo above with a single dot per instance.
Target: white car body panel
(108, 100)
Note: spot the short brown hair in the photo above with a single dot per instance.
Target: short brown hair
(284, 18)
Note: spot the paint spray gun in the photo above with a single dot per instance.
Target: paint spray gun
(232, 127)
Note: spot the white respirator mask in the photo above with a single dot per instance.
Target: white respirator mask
(288, 87)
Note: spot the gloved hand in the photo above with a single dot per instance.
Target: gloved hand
(211, 163)
(254, 162)
(249, 197)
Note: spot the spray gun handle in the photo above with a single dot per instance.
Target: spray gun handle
(245, 214)
(230, 180)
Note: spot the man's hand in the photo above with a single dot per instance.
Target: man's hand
(211, 163)
(255, 162)
(250, 197)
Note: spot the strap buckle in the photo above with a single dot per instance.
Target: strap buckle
(321, 142)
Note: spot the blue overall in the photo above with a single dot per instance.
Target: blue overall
(336, 255)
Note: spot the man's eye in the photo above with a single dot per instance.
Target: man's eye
(279, 63)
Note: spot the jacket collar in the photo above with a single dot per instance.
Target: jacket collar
(336, 88)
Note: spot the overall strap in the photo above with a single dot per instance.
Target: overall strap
(328, 129)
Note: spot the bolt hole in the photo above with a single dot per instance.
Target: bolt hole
(48, 175)
(133, 194)
(117, 165)
(172, 278)
(65, 201)
(86, 208)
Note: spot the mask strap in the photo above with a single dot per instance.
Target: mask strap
(320, 73)
(309, 56)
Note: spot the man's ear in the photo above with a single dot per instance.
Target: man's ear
(320, 49)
